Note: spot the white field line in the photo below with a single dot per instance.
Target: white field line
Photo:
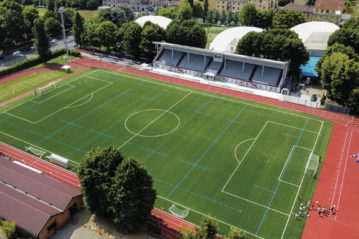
(304, 148)
(345, 167)
(295, 185)
(70, 81)
(301, 183)
(255, 203)
(24, 141)
(289, 126)
(290, 153)
(65, 107)
(149, 124)
(202, 214)
(83, 103)
(340, 166)
(52, 96)
(154, 81)
(235, 150)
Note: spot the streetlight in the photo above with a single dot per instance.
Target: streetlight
(61, 10)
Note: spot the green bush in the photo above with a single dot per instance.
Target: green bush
(8, 228)
(34, 61)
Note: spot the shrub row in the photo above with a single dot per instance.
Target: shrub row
(34, 61)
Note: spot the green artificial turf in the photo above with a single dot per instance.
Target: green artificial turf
(29, 82)
(238, 161)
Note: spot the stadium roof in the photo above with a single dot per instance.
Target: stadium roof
(227, 40)
(159, 20)
(315, 34)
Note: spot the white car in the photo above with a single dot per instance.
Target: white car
(16, 53)
(53, 41)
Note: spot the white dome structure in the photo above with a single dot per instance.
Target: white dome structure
(227, 40)
(159, 20)
(315, 35)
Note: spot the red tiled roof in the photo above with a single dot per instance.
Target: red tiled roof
(330, 4)
(28, 213)
(38, 185)
(303, 8)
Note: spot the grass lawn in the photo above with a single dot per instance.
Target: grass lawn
(29, 82)
(238, 161)
(59, 60)
(212, 32)
(88, 15)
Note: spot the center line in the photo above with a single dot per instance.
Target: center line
(149, 124)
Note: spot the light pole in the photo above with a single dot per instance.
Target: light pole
(61, 10)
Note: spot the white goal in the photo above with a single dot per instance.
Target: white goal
(312, 165)
(44, 89)
(178, 212)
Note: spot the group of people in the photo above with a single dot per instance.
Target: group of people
(303, 210)
(326, 211)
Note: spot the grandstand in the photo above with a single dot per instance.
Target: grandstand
(241, 70)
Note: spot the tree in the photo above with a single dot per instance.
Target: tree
(286, 19)
(8, 228)
(117, 187)
(188, 32)
(150, 32)
(168, 12)
(347, 50)
(29, 14)
(282, 3)
(78, 28)
(265, 19)
(217, 16)
(12, 22)
(310, 2)
(223, 17)
(106, 33)
(248, 15)
(42, 44)
(68, 16)
(235, 233)
(346, 37)
(197, 10)
(209, 228)
(132, 39)
(340, 76)
(205, 10)
(115, 15)
(52, 27)
(128, 11)
(210, 16)
(196, 36)
(184, 11)
(190, 2)
(352, 23)
(50, 5)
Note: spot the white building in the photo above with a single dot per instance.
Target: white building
(137, 5)
(227, 40)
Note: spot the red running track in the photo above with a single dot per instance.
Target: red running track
(339, 179)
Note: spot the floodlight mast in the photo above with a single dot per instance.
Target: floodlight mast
(61, 10)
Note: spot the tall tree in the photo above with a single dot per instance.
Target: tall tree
(132, 39)
(265, 19)
(128, 11)
(151, 32)
(168, 12)
(205, 10)
(78, 28)
(197, 10)
(42, 44)
(50, 5)
(107, 32)
(352, 23)
(217, 16)
(13, 23)
(223, 17)
(188, 32)
(286, 19)
(346, 37)
(190, 2)
(184, 11)
(248, 15)
(117, 187)
(29, 14)
(340, 76)
(52, 27)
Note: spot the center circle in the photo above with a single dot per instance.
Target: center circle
(153, 118)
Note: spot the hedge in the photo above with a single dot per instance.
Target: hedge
(34, 61)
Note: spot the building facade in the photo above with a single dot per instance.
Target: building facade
(328, 10)
(237, 5)
(307, 10)
(137, 5)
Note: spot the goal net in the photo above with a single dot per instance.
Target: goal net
(179, 212)
(44, 89)
(312, 165)
(35, 151)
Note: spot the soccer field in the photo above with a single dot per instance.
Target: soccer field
(240, 162)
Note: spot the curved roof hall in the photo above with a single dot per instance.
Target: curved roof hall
(227, 40)
(305, 30)
(159, 20)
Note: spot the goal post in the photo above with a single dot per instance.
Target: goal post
(178, 212)
(42, 90)
(312, 166)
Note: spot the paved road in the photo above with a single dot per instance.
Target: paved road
(12, 59)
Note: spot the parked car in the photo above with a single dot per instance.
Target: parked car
(53, 41)
(313, 98)
(16, 53)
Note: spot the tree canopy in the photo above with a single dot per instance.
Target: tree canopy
(184, 11)
(132, 39)
(107, 32)
(117, 187)
(168, 12)
(276, 44)
(41, 41)
(52, 27)
(286, 19)
(150, 32)
(346, 37)
(78, 28)
(248, 15)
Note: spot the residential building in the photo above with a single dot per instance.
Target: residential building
(137, 5)
(237, 5)
(307, 10)
(38, 204)
(328, 10)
